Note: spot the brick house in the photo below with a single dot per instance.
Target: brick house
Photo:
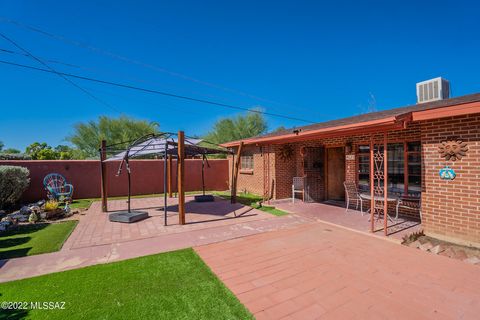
(329, 153)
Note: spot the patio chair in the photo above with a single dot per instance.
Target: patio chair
(298, 186)
(411, 203)
(57, 187)
(352, 194)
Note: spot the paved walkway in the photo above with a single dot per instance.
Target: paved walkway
(96, 240)
(321, 271)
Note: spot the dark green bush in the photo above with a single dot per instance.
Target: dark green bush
(14, 181)
(14, 156)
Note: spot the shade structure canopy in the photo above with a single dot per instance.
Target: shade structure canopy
(165, 144)
(161, 145)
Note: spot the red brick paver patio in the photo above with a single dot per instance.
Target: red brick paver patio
(96, 229)
(321, 271)
(96, 240)
(353, 219)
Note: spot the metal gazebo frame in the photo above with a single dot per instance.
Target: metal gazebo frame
(165, 145)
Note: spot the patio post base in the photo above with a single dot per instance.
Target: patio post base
(127, 217)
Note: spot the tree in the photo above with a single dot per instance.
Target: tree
(8, 150)
(11, 151)
(237, 128)
(42, 151)
(68, 153)
(88, 136)
(279, 129)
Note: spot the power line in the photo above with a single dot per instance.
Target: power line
(163, 93)
(116, 73)
(136, 62)
(42, 58)
(58, 73)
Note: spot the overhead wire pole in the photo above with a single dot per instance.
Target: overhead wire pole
(153, 91)
(60, 74)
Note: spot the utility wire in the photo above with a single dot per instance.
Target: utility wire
(134, 61)
(52, 70)
(114, 73)
(42, 58)
(163, 93)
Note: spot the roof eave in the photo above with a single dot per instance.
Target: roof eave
(299, 136)
(444, 112)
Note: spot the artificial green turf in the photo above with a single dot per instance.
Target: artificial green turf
(27, 240)
(173, 285)
(252, 200)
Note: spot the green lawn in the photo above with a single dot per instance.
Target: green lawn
(173, 285)
(27, 240)
(250, 199)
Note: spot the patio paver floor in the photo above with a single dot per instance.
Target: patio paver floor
(96, 240)
(352, 219)
(322, 271)
(96, 229)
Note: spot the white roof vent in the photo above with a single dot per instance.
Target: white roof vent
(433, 90)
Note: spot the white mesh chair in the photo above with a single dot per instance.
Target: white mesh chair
(298, 186)
(352, 194)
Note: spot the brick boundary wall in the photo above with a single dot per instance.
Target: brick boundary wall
(147, 176)
(451, 209)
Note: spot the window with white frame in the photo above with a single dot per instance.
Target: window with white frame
(246, 162)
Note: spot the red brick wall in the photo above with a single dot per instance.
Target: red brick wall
(147, 176)
(253, 181)
(451, 209)
(294, 166)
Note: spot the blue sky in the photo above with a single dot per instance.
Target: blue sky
(307, 59)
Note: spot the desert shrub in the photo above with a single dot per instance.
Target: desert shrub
(33, 218)
(14, 156)
(51, 205)
(14, 181)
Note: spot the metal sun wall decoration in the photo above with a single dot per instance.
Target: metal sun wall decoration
(286, 152)
(453, 149)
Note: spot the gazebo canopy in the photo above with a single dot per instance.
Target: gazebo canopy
(165, 145)
(157, 143)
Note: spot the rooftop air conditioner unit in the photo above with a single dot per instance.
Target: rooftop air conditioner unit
(433, 90)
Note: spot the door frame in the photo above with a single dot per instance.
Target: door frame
(326, 166)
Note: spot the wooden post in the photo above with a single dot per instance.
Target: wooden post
(385, 184)
(181, 177)
(103, 175)
(233, 196)
(372, 187)
(169, 175)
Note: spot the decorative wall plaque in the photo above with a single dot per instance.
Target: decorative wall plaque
(447, 173)
(453, 149)
(350, 157)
